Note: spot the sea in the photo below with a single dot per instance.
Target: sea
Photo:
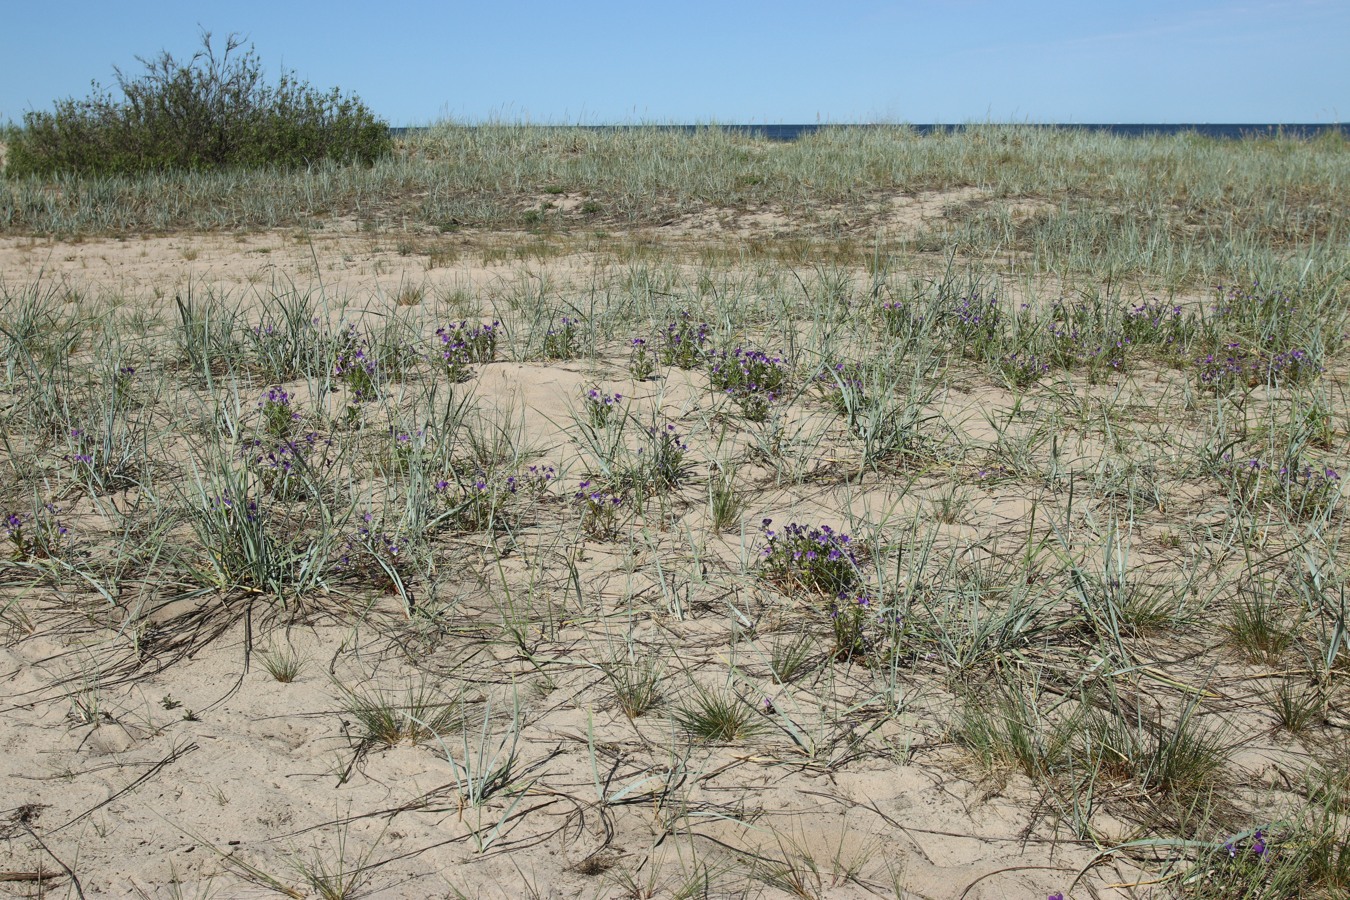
(1224, 131)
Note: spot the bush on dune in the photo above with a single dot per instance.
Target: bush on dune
(212, 111)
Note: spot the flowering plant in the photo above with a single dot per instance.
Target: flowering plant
(561, 341)
(684, 344)
(750, 377)
(601, 406)
(602, 510)
(817, 559)
(39, 535)
(463, 344)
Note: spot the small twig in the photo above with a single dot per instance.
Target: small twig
(79, 889)
(173, 757)
(971, 886)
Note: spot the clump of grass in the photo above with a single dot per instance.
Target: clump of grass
(663, 462)
(388, 718)
(791, 659)
(289, 341)
(246, 546)
(1179, 760)
(637, 684)
(1258, 626)
(724, 502)
(340, 878)
(1297, 707)
(716, 714)
(949, 506)
(283, 665)
(1010, 728)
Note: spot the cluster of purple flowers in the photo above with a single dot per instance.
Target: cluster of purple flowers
(1156, 321)
(1231, 367)
(463, 344)
(1235, 302)
(815, 558)
(1290, 366)
(377, 541)
(534, 481)
(850, 615)
(1307, 489)
(238, 511)
(684, 344)
(478, 502)
(82, 458)
(37, 535)
(369, 542)
(1022, 369)
(977, 318)
(275, 463)
(641, 361)
(405, 448)
(751, 377)
(840, 378)
(358, 370)
(602, 510)
(278, 416)
(600, 406)
(1257, 847)
(560, 342)
(1235, 366)
(1071, 345)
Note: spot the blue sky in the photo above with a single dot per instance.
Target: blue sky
(753, 62)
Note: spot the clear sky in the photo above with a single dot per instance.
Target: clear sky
(741, 61)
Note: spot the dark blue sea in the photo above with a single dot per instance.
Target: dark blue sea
(1228, 131)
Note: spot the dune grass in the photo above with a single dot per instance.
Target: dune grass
(1079, 545)
(1182, 209)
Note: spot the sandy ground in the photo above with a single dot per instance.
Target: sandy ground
(187, 770)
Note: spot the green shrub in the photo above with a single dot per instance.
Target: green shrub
(213, 111)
